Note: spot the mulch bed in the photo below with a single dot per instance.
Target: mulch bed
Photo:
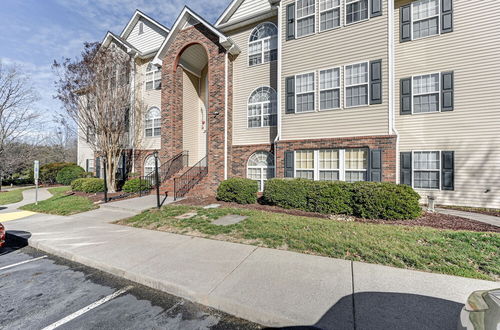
(495, 213)
(434, 220)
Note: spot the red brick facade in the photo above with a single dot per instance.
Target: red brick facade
(239, 157)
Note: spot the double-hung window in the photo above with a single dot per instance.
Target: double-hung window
(262, 108)
(153, 77)
(263, 44)
(304, 91)
(356, 165)
(349, 165)
(356, 84)
(261, 167)
(426, 93)
(306, 11)
(153, 122)
(425, 18)
(355, 11)
(90, 166)
(329, 14)
(426, 169)
(329, 89)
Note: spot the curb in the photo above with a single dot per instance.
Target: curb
(220, 303)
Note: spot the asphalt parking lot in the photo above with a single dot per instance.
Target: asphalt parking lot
(39, 291)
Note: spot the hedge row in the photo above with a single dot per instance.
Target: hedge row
(239, 190)
(370, 200)
(136, 185)
(88, 185)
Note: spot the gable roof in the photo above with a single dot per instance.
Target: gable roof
(235, 5)
(135, 18)
(111, 36)
(184, 17)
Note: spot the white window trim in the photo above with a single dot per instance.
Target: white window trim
(153, 74)
(262, 108)
(412, 94)
(261, 41)
(153, 126)
(145, 161)
(345, 13)
(297, 20)
(316, 162)
(422, 19)
(367, 84)
(357, 169)
(331, 9)
(262, 169)
(314, 91)
(413, 169)
(327, 89)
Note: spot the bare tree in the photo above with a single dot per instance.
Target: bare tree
(96, 93)
(17, 97)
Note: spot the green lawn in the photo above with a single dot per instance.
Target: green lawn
(61, 204)
(460, 253)
(12, 196)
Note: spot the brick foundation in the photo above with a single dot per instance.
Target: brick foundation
(240, 155)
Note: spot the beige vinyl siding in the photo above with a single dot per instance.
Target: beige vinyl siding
(190, 121)
(472, 51)
(151, 39)
(84, 150)
(245, 80)
(248, 8)
(147, 100)
(361, 41)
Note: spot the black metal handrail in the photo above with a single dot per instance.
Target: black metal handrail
(184, 183)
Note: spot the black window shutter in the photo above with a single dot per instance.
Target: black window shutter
(375, 170)
(446, 16)
(376, 82)
(405, 91)
(405, 23)
(98, 167)
(405, 165)
(447, 170)
(290, 21)
(447, 91)
(289, 164)
(376, 8)
(290, 95)
(86, 165)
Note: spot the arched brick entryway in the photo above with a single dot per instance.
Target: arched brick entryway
(172, 101)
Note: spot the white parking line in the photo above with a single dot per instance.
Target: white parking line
(21, 263)
(87, 308)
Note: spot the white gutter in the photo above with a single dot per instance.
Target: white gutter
(392, 79)
(132, 114)
(278, 87)
(226, 98)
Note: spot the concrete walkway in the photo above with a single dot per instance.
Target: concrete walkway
(489, 219)
(28, 198)
(267, 286)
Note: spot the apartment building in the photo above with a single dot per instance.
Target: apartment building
(353, 90)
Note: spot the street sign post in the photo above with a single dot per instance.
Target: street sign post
(36, 172)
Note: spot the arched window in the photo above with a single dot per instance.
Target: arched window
(153, 122)
(149, 165)
(262, 107)
(263, 44)
(153, 77)
(261, 167)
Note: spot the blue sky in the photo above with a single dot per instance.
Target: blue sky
(35, 32)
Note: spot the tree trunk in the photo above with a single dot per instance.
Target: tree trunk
(111, 173)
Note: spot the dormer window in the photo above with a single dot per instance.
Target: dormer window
(153, 77)
(141, 28)
(263, 44)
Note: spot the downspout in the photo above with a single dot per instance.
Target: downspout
(392, 78)
(278, 87)
(132, 103)
(226, 98)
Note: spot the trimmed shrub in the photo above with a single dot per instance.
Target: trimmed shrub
(69, 173)
(77, 185)
(136, 185)
(93, 185)
(370, 200)
(238, 190)
(385, 200)
(307, 195)
(48, 172)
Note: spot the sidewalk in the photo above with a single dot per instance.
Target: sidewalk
(28, 198)
(270, 287)
(489, 219)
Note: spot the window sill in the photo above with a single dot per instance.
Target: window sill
(261, 127)
(357, 22)
(261, 64)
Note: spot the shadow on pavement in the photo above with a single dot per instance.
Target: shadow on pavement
(384, 310)
(15, 240)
